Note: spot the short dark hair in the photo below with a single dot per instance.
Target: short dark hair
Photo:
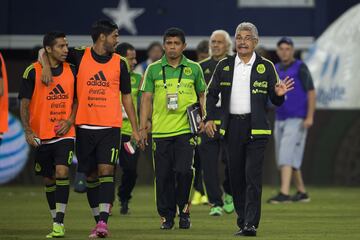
(102, 26)
(152, 45)
(174, 32)
(50, 37)
(122, 48)
(203, 47)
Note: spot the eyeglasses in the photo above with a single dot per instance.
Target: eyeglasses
(245, 39)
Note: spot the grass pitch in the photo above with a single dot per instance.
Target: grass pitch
(333, 214)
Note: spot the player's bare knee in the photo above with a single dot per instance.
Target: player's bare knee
(105, 169)
(62, 171)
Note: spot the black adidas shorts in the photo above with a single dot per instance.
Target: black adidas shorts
(47, 156)
(97, 146)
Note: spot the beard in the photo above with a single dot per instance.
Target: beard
(109, 48)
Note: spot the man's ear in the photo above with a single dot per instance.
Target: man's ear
(184, 46)
(48, 49)
(102, 37)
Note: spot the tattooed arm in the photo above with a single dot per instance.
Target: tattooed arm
(25, 116)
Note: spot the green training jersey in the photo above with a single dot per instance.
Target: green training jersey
(135, 82)
(167, 123)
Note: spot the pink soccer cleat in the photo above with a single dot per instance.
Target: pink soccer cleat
(93, 233)
(102, 229)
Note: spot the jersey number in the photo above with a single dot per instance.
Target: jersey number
(70, 158)
(114, 154)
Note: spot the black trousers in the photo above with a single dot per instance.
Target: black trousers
(128, 163)
(173, 159)
(246, 155)
(210, 150)
(224, 156)
(198, 178)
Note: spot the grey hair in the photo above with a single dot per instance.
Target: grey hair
(248, 26)
(228, 41)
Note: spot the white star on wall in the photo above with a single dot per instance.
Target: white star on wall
(124, 16)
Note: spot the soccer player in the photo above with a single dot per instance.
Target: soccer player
(102, 75)
(170, 85)
(127, 159)
(48, 114)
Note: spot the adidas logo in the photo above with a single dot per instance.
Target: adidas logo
(57, 93)
(98, 79)
(207, 71)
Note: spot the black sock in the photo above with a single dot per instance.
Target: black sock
(50, 196)
(106, 196)
(93, 197)
(62, 197)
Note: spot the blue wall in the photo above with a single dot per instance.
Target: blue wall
(196, 17)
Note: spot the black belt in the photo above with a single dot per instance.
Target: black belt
(240, 116)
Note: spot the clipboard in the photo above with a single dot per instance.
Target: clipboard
(194, 116)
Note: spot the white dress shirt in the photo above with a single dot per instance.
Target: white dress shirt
(240, 90)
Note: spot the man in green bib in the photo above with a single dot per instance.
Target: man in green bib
(128, 158)
(170, 86)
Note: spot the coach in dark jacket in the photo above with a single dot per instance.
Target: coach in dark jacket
(245, 82)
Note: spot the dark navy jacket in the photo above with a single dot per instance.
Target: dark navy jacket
(263, 79)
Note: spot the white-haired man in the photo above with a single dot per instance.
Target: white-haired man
(246, 81)
(211, 149)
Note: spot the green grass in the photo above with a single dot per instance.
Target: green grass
(333, 213)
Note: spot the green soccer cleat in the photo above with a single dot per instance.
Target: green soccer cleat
(216, 211)
(57, 232)
(228, 204)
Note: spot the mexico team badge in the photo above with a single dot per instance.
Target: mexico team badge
(260, 68)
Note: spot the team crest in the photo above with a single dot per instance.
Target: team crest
(37, 167)
(187, 71)
(260, 68)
